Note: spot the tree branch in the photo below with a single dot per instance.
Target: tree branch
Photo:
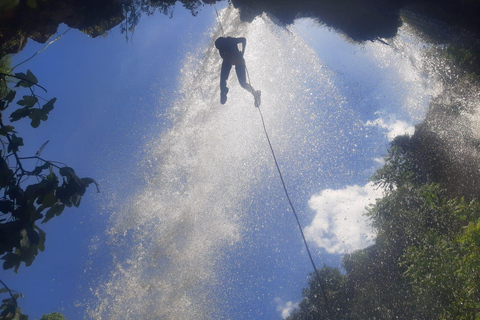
(10, 292)
(14, 76)
(41, 159)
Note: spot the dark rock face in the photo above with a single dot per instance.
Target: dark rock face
(20, 20)
(359, 20)
(366, 19)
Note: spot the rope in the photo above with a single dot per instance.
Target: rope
(218, 18)
(296, 217)
(327, 304)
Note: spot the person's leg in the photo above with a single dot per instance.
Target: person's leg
(226, 67)
(240, 69)
(241, 75)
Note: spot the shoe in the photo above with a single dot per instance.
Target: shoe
(257, 95)
(223, 96)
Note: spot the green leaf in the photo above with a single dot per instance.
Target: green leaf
(87, 181)
(31, 77)
(23, 83)
(33, 236)
(48, 200)
(15, 142)
(76, 198)
(27, 80)
(6, 174)
(10, 95)
(28, 101)
(66, 172)
(12, 260)
(55, 210)
(39, 169)
(36, 116)
(6, 206)
(42, 238)
(37, 190)
(19, 114)
(28, 254)
(6, 129)
(51, 177)
(47, 107)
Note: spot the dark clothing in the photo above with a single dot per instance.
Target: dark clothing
(228, 49)
(239, 69)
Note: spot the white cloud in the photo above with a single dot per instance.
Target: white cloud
(339, 225)
(377, 164)
(394, 127)
(285, 308)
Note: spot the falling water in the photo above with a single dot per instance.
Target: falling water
(210, 180)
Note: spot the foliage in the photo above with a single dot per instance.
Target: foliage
(399, 166)
(53, 316)
(40, 191)
(465, 58)
(314, 305)
(444, 272)
(424, 264)
(9, 306)
(133, 10)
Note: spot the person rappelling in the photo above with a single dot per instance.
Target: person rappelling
(228, 49)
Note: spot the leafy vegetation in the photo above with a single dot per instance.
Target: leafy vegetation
(424, 264)
(4, 69)
(133, 10)
(32, 189)
(360, 21)
(53, 316)
(9, 306)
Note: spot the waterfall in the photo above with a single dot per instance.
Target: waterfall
(211, 185)
(202, 170)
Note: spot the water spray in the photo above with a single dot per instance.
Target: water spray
(320, 282)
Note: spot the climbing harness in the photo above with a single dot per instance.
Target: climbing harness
(320, 282)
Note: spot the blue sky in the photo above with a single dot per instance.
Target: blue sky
(197, 177)
(108, 92)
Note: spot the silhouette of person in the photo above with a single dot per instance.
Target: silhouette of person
(228, 49)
